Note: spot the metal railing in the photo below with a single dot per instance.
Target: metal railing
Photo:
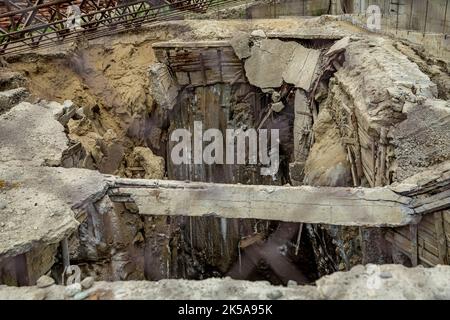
(49, 23)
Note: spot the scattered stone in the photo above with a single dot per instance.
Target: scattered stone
(72, 289)
(69, 110)
(87, 282)
(258, 34)
(292, 283)
(278, 106)
(2, 205)
(274, 295)
(44, 282)
(81, 295)
(385, 275)
(80, 113)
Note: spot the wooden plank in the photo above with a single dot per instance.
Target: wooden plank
(429, 258)
(414, 245)
(441, 239)
(428, 245)
(400, 242)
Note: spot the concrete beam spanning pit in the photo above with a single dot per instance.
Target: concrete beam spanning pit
(336, 206)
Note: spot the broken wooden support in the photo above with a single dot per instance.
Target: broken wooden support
(305, 204)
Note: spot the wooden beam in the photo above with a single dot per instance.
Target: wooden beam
(305, 204)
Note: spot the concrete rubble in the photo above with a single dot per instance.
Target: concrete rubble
(370, 282)
(273, 61)
(30, 149)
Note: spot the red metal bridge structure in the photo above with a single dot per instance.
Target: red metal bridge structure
(28, 24)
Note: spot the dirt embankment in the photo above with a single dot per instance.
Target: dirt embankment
(109, 87)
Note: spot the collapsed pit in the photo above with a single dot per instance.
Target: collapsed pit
(125, 130)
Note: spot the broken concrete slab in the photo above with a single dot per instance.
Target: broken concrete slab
(37, 201)
(241, 45)
(301, 67)
(11, 97)
(336, 206)
(338, 47)
(273, 61)
(265, 66)
(31, 136)
(425, 181)
(39, 204)
(163, 86)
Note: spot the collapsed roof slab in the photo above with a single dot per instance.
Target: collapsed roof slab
(336, 206)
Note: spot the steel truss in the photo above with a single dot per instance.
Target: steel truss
(28, 24)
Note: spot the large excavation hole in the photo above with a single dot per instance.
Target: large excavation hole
(121, 128)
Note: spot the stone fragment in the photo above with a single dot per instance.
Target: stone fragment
(69, 110)
(274, 295)
(258, 34)
(241, 45)
(385, 275)
(44, 282)
(72, 290)
(278, 106)
(276, 96)
(87, 282)
(339, 46)
(81, 295)
(292, 283)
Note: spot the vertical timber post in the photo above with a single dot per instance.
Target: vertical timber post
(411, 15)
(445, 17)
(426, 19)
(414, 245)
(65, 252)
